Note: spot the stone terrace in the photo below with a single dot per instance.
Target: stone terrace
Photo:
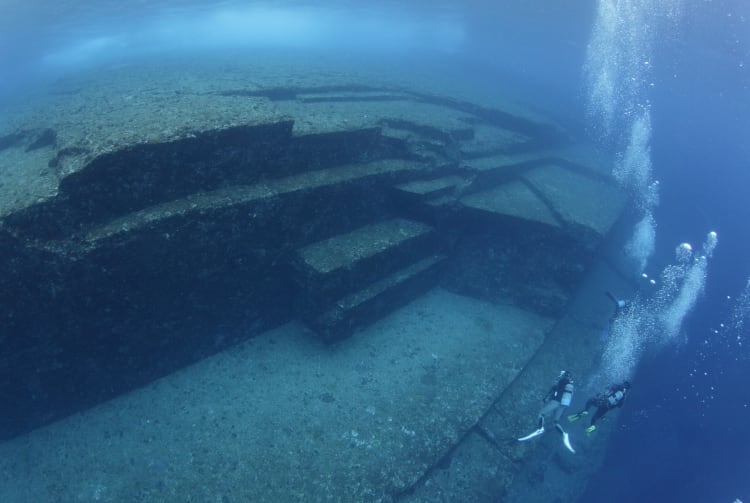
(152, 216)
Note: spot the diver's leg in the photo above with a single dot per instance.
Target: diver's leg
(600, 411)
(558, 412)
(549, 407)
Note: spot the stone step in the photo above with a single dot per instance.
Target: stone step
(371, 303)
(491, 140)
(514, 199)
(504, 162)
(119, 183)
(561, 188)
(447, 133)
(261, 196)
(577, 157)
(418, 120)
(582, 201)
(218, 259)
(587, 159)
(442, 201)
(334, 267)
(492, 170)
(429, 188)
(435, 199)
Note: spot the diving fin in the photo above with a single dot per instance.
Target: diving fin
(532, 435)
(566, 438)
(576, 417)
(566, 441)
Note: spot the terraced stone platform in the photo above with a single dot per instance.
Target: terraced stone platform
(153, 216)
(352, 279)
(341, 252)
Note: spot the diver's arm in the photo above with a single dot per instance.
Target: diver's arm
(549, 394)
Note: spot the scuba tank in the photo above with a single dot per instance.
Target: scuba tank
(615, 397)
(567, 395)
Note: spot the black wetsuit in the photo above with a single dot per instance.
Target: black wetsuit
(613, 398)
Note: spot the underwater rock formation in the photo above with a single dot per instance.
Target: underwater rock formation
(125, 247)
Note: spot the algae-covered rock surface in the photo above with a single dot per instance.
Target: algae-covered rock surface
(266, 277)
(285, 418)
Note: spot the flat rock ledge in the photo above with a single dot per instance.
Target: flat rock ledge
(286, 418)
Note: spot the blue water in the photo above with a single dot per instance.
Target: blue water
(683, 435)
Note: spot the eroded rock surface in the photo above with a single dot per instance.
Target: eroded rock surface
(150, 219)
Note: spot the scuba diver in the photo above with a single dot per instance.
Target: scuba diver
(619, 304)
(613, 397)
(555, 402)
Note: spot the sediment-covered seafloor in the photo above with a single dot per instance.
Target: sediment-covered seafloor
(301, 285)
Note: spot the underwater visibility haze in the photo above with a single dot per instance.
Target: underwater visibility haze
(299, 251)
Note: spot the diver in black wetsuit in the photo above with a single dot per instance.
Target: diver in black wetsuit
(612, 398)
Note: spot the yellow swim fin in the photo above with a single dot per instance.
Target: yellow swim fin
(576, 417)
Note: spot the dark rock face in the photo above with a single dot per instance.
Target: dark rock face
(44, 138)
(122, 182)
(537, 268)
(156, 255)
(97, 316)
